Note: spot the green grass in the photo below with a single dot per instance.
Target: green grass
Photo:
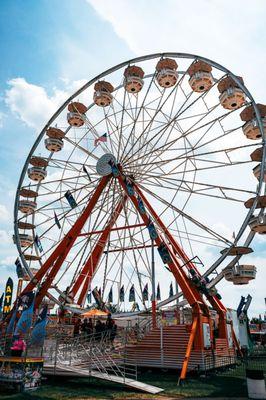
(228, 384)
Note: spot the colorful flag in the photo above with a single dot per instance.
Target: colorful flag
(145, 294)
(158, 294)
(132, 294)
(38, 243)
(102, 139)
(110, 295)
(24, 322)
(39, 329)
(57, 220)
(122, 294)
(70, 199)
(86, 172)
(19, 269)
(171, 290)
(8, 296)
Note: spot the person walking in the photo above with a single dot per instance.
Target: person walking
(18, 346)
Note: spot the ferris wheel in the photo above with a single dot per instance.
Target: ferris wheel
(154, 153)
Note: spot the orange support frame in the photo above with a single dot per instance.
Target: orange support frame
(214, 301)
(192, 295)
(193, 332)
(56, 259)
(93, 260)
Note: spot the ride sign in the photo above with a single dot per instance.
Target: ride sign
(8, 296)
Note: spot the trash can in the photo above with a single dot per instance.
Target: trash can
(255, 384)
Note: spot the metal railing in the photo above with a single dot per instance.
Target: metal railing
(87, 353)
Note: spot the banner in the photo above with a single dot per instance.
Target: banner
(122, 294)
(171, 290)
(132, 294)
(24, 322)
(158, 294)
(19, 269)
(145, 294)
(8, 296)
(39, 329)
(110, 296)
(57, 220)
(70, 199)
(38, 243)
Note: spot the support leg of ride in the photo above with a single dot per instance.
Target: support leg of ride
(188, 350)
(236, 343)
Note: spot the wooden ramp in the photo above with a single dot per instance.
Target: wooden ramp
(77, 371)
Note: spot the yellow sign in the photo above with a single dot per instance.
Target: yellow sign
(8, 296)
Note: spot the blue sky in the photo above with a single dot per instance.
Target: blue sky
(47, 46)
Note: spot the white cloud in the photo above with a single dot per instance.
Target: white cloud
(32, 104)
(4, 213)
(8, 260)
(224, 31)
(5, 238)
(2, 116)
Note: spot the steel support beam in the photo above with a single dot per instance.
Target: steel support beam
(88, 270)
(214, 301)
(56, 259)
(193, 296)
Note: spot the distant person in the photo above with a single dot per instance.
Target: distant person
(84, 327)
(113, 334)
(99, 329)
(18, 346)
(109, 322)
(77, 326)
(90, 327)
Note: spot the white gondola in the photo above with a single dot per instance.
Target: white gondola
(75, 119)
(257, 172)
(240, 274)
(25, 239)
(231, 96)
(37, 174)
(251, 129)
(27, 206)
(133, 81)
(201, 78)
(167, 74)
(258, 224)
(76, 115)
(103, 94)
(54, 145)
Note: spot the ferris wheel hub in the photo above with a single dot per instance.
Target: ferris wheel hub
(103, 166)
